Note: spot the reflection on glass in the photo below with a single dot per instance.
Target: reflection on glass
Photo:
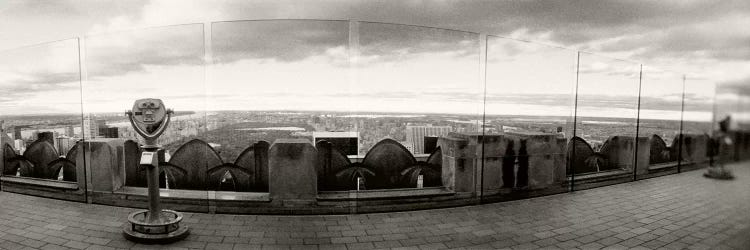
(414, 84)
(529, 100)
(606, 116)
(40, 110)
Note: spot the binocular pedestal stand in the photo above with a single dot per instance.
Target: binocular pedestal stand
(153, 225)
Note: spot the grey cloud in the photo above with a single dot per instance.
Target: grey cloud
(46, 79)
(283, 40)
(681, 42)
(572, 23)
(398, 40)
(133, 51)
(293, 40)
(738, 86)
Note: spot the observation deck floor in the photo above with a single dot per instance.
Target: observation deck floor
(672, 212)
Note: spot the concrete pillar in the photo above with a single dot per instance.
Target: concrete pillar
(544, 155)
(82, 176)
(694, 149)
(490, 162)
(560, 159)
(2, 152)
(459, 163)
(103, 166)
(292, 176)
(643, 155)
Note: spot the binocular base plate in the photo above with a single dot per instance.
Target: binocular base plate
(166, 230)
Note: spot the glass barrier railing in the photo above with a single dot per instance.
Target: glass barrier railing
(388, 107)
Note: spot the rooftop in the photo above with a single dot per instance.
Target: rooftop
(675, 211)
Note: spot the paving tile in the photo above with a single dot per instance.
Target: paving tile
(76, 244)
(220, 246)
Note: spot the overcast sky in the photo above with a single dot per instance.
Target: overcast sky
(312, 65)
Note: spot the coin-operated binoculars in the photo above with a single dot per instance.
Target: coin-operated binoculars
(150, 118)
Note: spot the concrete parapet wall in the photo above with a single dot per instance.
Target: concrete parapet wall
(292, 170)
(475, 168)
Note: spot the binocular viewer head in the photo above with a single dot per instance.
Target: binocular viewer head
(149, 117)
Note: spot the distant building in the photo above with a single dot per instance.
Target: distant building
(430, 144)
(19, 145)
(47, 136)
(17, 133)
(90, 127)
(101, 123)
(506, 128)
(408, 146)
(69, 132)
(112, 132)
(108, 132)
(415, 135)
(347, 142)
(63, 144)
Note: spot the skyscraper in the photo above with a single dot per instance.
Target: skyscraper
(17, 133)
(415, 135)
(90, 127)
(69, 132)
(63, 144)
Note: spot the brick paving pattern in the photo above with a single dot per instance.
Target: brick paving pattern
(683, 211)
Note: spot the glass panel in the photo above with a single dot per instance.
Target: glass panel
(606, 121)
(40, 110)
(660, 117)
(529, 105)
(165, 63)
(698, 119)
(277, 80)
(413, 86)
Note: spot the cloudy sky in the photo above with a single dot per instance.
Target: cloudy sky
(373, 66)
